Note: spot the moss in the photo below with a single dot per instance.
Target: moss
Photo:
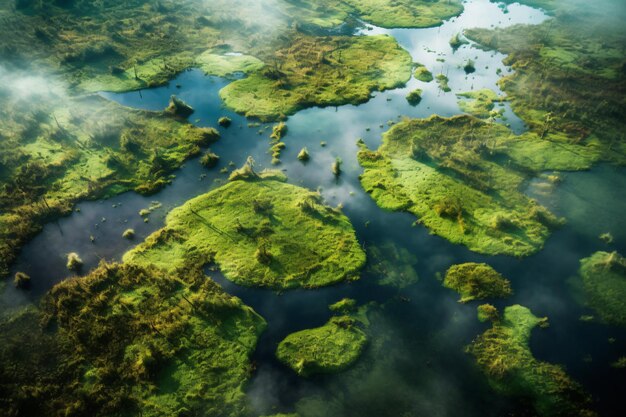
(422, 74)
(261, 232)
(21, 280)
(330, 348)
(179, 108)
(320, 72)
(579, 93)
(129, 340)
(463, 178)
(442, 80)
(475, 281)
(480, 103)
(414, 97)
(392, 264)
(224, 121)
(209, 159)
(343, 306)
(129, 234)
(503, 354)
(487, 312)
(606, 238)
(604, 283)
(74, 262)
(469, 67)
(303, 155)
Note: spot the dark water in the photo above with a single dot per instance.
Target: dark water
(421, 368)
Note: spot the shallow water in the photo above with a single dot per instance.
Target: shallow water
(422, 369)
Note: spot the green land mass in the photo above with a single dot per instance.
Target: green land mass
(462, 178)
(321, 71)
(330, 348)
(392, 264)
(422, 74)
(503, 354)
(65, 149)
(479, 103)
(406, 13)
(129, 340)
(475, 281)
(260, 231)
(604, 284)
(568, 78)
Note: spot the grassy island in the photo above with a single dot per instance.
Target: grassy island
(327, 349)
(502, 353)
(320, 71)
(261, 232)
(604, 284)
(129, 340)
(68, 149)
(461, 177)
(479, 103)
(475, 281)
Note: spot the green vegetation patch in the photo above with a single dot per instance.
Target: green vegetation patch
(604, 283)
(475, 281)
(261, 232)
(129, 340)
(327, 349)
(227, 64)
(406, 13)
(422, 74)
(393, 264)
(503, 354)
(320, 72)
(462, 178)
(65, 149)
(579, 92)
(480, 103)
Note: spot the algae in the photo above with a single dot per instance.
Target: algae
(393, 264)
(474, 281)
(330, 348)
(260, 231)
(503, 355)
(604, 283)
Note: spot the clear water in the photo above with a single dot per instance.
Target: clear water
(421, 368)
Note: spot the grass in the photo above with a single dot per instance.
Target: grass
(462, 179)
(604, 283)
(474, 281)
(480, 103)
(260, 232)
(225, 65)
(392, 264)
(568, 75)
(330, 348)
(129, 340)
(320, 72)
(68, 149)
(504, 356)
(406, 13)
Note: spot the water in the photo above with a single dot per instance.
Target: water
(421, 368)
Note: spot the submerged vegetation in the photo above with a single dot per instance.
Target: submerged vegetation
(475, 281)
(260, 231)
(503, 354)
(320, 71)
(330, 348)
(462, 178)
(604, 283)
(392, 264)
(129, 340)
